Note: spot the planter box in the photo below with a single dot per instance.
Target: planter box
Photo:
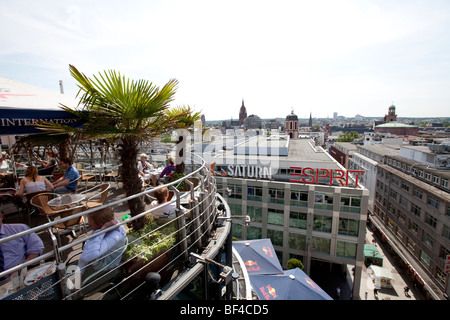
(143, 267)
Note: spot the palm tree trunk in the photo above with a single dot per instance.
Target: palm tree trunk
(132, 184)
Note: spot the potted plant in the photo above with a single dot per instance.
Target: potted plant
(147, 250)
(174, 176)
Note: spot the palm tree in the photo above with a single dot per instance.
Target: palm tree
(124, 111)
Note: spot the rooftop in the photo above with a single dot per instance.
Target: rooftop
(394, 124)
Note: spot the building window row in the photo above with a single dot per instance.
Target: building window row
(429, 176)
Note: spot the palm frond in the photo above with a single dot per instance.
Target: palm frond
(113, 105)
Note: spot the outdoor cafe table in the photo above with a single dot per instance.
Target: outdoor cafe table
(19, 280)
(67, 200)
(154, 172)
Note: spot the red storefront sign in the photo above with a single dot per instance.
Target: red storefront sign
(313, 174)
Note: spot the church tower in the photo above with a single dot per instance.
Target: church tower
(291, 125)
(391, 116)
(242, 114)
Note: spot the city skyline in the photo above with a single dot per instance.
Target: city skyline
(350, 57)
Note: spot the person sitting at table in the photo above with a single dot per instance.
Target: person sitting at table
(166, 211)
(48, 166)
(168, 169)
(32, 182)
(66, 183)
(101, 250)
(19, 250)
(7, 179)
(144, 166)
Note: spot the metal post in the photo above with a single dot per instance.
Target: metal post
(195, 216)
(61, 270)
(229, 262)
(181, 222)
(206, 214)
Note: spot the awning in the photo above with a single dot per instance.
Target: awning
(371, 253)
(23, 105)
(381, 272)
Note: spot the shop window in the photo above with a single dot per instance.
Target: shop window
(297, 241)
(346, 249)
(430, 220)
(433, 202)
(297, 220)
(255, 213)
(322, 223)
(427, 240)
(425, 258)
(236, 191)
(236, 230)
(350, 204)
(446, 232)
(299, 198)
(348, 227)
(276, 196)
(275, 216)
(276, 236)
(323, 200)
(254, 193)
(416, 210)
(254, 233)
(236, 209)
(321, 245)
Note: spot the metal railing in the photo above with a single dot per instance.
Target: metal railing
(174, 240)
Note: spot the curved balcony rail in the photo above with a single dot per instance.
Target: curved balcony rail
(154, 263)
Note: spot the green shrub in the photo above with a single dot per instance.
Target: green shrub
(294, 263)
(146, 243)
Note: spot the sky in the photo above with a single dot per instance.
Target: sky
(310, 57)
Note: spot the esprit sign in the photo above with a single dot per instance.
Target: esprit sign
(312, 175)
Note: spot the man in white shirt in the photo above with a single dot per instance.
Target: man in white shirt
(167, 210)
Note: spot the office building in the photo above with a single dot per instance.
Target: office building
(296, 195)
(412, 213)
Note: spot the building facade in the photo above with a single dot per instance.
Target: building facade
(412, 212)
(291, 200)
(397, 128)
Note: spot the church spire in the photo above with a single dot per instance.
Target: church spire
(242, 113)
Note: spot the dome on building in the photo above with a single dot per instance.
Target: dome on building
(291, 116)
(253, 122)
